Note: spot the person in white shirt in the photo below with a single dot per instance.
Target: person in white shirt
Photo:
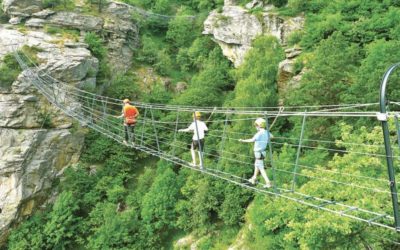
(261, 140)
(198, 127)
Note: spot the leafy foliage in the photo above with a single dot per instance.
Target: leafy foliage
(9, 70)
(116, 199)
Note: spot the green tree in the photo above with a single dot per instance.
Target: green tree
(29, 235)
(158, 208)
(62, 225)
(113, 229)
(181, 31)
(380, 56)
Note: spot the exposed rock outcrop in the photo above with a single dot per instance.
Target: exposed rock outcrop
(114, 23)
(76, 21)
(287, 69)
(22, 8)
(235, 28)
(32, 151)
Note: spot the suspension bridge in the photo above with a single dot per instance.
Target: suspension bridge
(159, 137)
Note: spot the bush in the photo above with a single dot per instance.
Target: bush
(9, 71)
(181, 31)
(54, 3)
(279, 3)
(3, 17)
(29, 234)
(45, 119)
(96, 45)
(295, 38)
(123, 86)
(164, 63)
(148, 53)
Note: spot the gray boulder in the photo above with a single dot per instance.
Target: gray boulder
(21, 7)
(35, 23)
(76, 21)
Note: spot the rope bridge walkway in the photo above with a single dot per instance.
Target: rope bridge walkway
(158, 137)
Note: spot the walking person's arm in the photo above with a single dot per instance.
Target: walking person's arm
(247, 140)
(189, 129)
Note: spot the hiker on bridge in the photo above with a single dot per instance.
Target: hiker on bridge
(198, 127)
(129, 114)
(260, 139)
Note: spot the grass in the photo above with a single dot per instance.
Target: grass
(66, 34)
(3, 17)
(31, 52)
(9, 67)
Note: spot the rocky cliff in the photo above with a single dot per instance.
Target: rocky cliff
(114, 24)
(36, 140)
(235, 27)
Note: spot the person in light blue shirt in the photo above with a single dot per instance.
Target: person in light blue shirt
(261, 140)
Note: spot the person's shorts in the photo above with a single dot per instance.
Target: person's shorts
(130, 124)
(196, 145)
(260, 156)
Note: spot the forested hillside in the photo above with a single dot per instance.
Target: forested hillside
(119, 198)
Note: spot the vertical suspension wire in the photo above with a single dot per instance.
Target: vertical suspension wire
(198, 141)
(105, 116)
(85, 112)
(222, 145)
(298, 151)
(143, 125)
(155, 129)
(175, 132)
(91, 107)
(270, 155)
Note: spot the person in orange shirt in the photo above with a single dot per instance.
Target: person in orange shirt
(129, 113)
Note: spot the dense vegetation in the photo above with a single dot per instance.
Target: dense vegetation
(119, 199)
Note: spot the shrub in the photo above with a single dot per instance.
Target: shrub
(279, 3)
(96, 45)
(164, 63)
(123, 86)
(45, 119)
(9, 71)
(148, 53)
(181, 31)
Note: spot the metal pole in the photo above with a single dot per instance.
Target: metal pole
(270, 155)
(398, 129)
(175, 132)
(155, 129)
(143, 126)
(389, 157)
(198, 141)
(298, 152)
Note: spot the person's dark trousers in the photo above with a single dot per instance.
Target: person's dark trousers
(129, 133)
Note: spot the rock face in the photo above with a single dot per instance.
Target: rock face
(235, 28)
(122, 34)
(114, 22)
(21, 7)
(287, 70)
(76, 21)
(32, 152)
